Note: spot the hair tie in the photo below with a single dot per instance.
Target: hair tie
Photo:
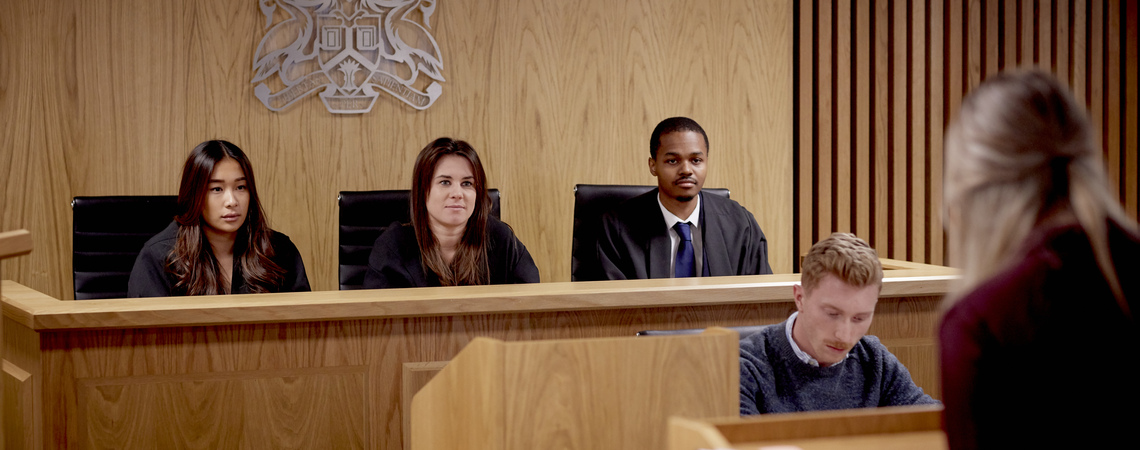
(1059, 165)
(1057, 186)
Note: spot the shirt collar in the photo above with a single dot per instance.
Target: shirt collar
(672, 219)
(802, 355)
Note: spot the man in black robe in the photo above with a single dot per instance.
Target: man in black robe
(676, 230)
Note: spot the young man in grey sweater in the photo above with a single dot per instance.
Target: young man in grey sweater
(821, 357)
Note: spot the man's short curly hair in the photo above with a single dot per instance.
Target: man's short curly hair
(844, 255)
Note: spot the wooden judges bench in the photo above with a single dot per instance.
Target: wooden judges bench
(339, 369)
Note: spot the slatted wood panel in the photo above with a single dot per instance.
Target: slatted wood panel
(106, 97)
(878, 81)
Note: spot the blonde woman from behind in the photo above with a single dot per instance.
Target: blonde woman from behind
(1038, 336)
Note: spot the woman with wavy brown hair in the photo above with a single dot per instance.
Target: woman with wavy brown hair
(1040, 332)
(220, 241)
(452, 240)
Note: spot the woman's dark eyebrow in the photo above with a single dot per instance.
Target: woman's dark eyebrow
(223, 181)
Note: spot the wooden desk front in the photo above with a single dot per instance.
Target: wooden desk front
(898, 427)
(12, 243)
(925, 440)
(338, 369)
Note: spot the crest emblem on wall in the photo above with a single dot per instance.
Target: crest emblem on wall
(349, 51)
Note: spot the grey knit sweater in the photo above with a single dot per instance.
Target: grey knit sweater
(774, 380)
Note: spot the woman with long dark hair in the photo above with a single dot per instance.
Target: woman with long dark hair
(220, 241)
(453, 240)
(1039, 336)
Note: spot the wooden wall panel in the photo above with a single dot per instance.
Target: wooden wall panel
(862, 114)
(880, 163)
(1130, 125)
(939, 50)
(1079, 42)
(921, 120)
(1111, 129)
(24, 142)
(844, 142)
(105, 97)
(825, 118)
(281, 409)
(808, 136)
(554, 95)
(900, 106)
(1096, 75)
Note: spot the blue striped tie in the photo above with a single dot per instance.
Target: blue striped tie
(684, 265)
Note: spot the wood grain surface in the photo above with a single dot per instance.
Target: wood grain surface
(465, 407)
(584, 395)
(815, 424)
(15, 243)
(577, 393)
(107, 97)
(897, 427)
(121, 356)
(41, 312)
(295, 408)
(14, 385)
(19, 425)
(23, 374)
(414, 377)
(925, 440)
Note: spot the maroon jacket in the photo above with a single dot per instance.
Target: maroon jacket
(1041, 355)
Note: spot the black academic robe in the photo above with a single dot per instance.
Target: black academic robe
(149, 277)
(395, 260)
(633, 242)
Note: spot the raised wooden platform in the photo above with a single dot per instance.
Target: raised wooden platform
(338, 369)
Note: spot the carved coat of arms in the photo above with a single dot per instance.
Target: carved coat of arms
(349, 50)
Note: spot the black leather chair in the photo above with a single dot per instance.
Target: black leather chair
(107, 235)
(363, 217)
(743, 331)
(591, 201)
